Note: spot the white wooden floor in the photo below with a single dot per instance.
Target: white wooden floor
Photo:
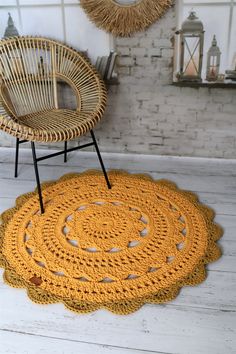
(201, 320)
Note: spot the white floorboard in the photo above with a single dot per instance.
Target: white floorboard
(201, 320)
(27, 343)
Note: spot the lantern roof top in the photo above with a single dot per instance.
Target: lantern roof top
(11, 29)
(214, 49)
(192, 24)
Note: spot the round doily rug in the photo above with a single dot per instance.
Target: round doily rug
(139, 242)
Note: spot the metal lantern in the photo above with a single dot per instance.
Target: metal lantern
(16, 60)
(213, 61)
(11, 30)
(191, 53)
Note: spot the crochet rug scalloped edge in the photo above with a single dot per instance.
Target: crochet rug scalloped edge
(39, 296)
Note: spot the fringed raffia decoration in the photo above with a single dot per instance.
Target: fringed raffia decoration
(123, 20)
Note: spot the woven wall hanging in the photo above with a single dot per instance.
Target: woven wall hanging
(124, 19)
(117, 249)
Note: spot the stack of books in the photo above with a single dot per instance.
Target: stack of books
(230, 75)
(105, 65)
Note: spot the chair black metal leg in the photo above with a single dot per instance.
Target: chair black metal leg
(16, 157)
(37, 177)
(100, 159)
(65, 152)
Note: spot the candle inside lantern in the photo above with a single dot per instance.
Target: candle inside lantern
(213, 71)
(190, 69)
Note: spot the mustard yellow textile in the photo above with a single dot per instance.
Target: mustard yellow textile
(138, 243)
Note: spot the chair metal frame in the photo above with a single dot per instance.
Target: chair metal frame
(64, 152)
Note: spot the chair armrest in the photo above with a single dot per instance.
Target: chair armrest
(9, 124)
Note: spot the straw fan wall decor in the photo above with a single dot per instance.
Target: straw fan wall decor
(124, 19)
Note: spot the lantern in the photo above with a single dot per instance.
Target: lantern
(213, 61)
(191, 51)
(11, 30)
(17, 65)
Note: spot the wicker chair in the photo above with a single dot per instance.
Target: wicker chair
(29, 71)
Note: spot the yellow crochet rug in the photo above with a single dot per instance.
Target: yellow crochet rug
(138, 243)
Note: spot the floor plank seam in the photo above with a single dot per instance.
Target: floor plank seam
(133, 171)
(85, 342)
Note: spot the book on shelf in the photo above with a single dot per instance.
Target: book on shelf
(105, 65)
(98, 63)
(111, 65)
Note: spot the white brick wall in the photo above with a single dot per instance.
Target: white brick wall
(146, 114)
(154, 117)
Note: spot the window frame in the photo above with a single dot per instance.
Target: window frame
(61, 4)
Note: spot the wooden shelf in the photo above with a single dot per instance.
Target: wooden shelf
(112, 82)
(225, 85)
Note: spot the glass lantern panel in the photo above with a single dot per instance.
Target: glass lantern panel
(217, 24)
(191, 56)
(213, 69)
(213, 60)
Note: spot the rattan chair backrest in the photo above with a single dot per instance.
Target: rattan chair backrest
(30, 69)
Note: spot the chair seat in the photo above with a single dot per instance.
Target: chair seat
(58, 124)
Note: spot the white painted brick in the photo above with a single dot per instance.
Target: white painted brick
(142, 61)
(222, 98)
(141, 52)
(124, 70)
(154, 52)
(166, 109)
(143, 96)
(162, 43)
(124, 51)
(146, 42)
(167, 52)
(127, 42)
(126, 61)
(228, 108)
